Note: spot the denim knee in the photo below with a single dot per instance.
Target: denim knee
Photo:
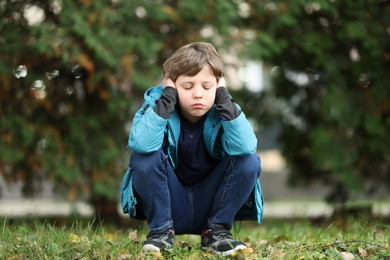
(249, 165)
(146, 163)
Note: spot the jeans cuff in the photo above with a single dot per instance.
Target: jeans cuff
(213, 225)
(162, 229)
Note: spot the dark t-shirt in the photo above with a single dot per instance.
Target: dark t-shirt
(195, 163)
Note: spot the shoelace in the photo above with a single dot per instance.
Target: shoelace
(157, 236)
(223, 234)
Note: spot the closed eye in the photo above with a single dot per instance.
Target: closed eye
(207, 86)
(187, 85)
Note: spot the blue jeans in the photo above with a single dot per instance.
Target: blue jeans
(168, 204)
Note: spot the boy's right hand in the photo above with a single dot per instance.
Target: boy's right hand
(167, 82)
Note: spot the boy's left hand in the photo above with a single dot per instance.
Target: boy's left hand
(167, 82)
(221, 83)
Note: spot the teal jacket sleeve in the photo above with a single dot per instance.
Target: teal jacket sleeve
(239, 137)
(147, 132)
(148, 128)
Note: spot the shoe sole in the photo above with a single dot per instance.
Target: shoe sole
(151, 248)
(225, 253)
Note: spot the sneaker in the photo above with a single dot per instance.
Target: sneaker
(219, 241)
(155, 242)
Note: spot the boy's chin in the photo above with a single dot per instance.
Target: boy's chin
(194, 118)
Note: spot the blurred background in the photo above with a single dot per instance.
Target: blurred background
(312, 77)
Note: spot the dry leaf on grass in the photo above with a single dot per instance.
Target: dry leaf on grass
(133, 235)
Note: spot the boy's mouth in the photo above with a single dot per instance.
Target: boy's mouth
(197, 106)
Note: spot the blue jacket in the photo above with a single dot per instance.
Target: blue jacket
(150, 132)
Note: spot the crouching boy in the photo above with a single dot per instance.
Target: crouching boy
(194, 165)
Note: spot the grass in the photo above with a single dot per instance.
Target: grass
(362, 239)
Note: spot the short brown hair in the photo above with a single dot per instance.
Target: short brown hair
(191, 58)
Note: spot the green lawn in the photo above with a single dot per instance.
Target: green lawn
(341, 239)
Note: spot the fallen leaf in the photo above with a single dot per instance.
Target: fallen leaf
(346, 256)
(133, 235)
(108, 236)
(246, 251)
(362, 252)
(124, 255)
(208, 255)
(245, 239)
(76, 239)
(262, 242)
(156, 255)
(73, 237)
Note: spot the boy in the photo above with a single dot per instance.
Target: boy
(194, 162)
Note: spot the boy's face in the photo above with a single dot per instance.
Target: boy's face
(196, 94)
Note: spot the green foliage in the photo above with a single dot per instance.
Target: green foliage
(72, 128)
(335, 123)
(107, 53)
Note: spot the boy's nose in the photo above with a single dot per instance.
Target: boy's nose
(198, 92)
